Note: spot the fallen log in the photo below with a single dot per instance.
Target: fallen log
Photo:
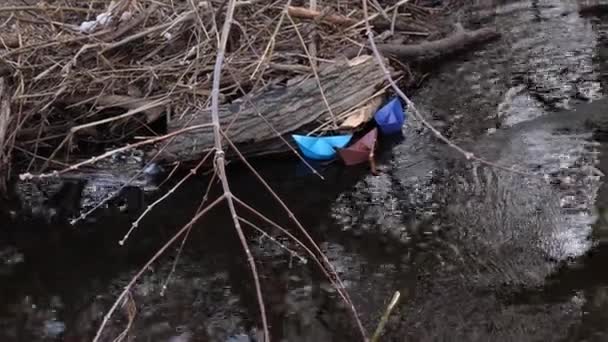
(246, 121)
(456, 42)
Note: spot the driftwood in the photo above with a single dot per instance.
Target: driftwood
(454, 43)
(289, 108)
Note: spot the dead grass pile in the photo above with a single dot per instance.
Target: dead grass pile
(85, 73)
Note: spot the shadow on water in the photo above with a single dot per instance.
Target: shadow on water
(56, 280)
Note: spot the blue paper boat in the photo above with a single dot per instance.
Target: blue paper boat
(390, 117)
(321, 148)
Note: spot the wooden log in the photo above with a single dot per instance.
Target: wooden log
(287, 109)
(456, 42)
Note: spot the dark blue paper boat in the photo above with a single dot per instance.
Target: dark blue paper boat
(390, 117)
(321, 148)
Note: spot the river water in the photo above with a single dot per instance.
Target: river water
(478, 253)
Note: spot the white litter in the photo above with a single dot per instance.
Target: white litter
(102, 19)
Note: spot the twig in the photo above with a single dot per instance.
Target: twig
(314, 71)
(367, 18)
(134, 22)
(183, 17)
(351, 109)
(341, 288)
(149, 208)
(297, 68)
(160, 252)
(271, 42)
(301, 12)
(248, 100)
(220, 160)
(142, 108)
(29, 176)
(328, 272)
(128, 182)
(372, 160)
(271, 238)
(42, 9)
(131, 309)
(384, 319)
(181, 247)
(312, 46)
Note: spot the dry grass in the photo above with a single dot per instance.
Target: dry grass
(152, 58)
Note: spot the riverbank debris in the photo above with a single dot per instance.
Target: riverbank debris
(131, 70)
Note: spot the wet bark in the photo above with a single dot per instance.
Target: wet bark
(456, 42)
(288, 108)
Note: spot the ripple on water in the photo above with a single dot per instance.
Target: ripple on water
(499, 231)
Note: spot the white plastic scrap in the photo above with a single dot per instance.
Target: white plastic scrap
(102, 19)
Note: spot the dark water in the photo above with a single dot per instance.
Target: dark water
(479, 253)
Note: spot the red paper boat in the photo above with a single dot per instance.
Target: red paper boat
(360, 151)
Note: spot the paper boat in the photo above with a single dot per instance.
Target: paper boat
(390, 117)
(321, 148)
(359, 152)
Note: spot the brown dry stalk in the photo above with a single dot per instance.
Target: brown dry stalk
(143, 108)
(158, 28)
(154, 54)
(366, 20)
(312, 13)
(313, 62)
(312, 46)
(267, 55)
(131, 311)
(128, 27)
(44, 8)
(219, 161)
